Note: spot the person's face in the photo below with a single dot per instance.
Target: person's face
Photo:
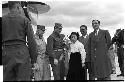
(95, 25)
(73, 38)
(58, 30)
(40, 32)
(83, 31)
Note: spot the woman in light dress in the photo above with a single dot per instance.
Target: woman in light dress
(42, 72)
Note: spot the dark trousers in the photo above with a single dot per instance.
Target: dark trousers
(120, 54)
(58, 70)
(16, 63)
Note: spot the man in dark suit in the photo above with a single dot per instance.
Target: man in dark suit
(84, 40)
(55, 50)
(15, 53)
(99, 43)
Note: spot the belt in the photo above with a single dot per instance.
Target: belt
(58, 50)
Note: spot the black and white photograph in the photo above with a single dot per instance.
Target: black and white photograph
(44, 40)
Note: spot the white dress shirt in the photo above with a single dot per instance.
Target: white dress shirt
(78, 47)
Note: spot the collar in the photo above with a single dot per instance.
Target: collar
(85, 36)
(97, 31)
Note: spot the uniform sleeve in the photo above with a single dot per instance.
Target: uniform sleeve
(50, 46)
(31, 41)
(108, 38)
(82, 52)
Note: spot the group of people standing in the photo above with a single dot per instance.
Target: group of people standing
(70, 58)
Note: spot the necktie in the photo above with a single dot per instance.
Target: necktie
(95, 32)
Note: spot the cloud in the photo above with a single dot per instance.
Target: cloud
(72, 14)
(75, 13)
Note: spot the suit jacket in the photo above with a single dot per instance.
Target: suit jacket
(84, 41)
(98, 51)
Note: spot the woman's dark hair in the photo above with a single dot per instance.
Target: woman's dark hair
(74, 33)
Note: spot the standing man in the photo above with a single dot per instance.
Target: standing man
(15, 54)
(84, 40)
(119, 39)
(99, 43)
(55, 50)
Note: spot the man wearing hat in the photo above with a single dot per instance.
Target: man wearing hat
(55, 50)
(42, 71)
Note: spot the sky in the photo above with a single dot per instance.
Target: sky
(74, 13)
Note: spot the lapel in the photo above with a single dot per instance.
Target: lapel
(96, 38)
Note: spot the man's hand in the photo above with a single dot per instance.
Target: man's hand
(55, 61)
(36, 66)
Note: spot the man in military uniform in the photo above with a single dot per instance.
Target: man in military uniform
(15, 54)
(55, 50)
(84, 40)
